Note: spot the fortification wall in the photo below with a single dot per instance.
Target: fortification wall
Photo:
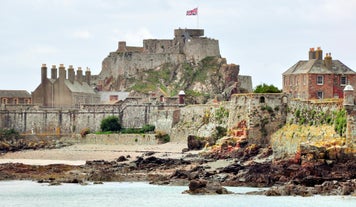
(302, 112)
(161, 46)
(130, 64)
(198, 48)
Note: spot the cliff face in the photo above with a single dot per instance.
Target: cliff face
(205, 79)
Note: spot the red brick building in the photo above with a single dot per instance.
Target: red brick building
(318, 78)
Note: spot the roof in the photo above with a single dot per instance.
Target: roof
(76, 87)
(315, 66)
(15, 94)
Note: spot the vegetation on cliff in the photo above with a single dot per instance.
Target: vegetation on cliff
(200, 81)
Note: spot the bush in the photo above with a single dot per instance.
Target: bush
(84, 132)
(163, 137)
(110, 123)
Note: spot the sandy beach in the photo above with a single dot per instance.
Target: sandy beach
(78, 154)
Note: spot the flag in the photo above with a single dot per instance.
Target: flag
(192, 12)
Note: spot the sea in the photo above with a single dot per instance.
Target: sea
(139, 194)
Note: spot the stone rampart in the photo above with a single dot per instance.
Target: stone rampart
(113, 139)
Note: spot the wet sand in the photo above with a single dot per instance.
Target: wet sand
(78, 154)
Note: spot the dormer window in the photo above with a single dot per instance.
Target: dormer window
(320, 80)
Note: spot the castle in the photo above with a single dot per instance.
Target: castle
(188, 45)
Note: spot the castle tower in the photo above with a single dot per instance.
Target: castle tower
(54, 72)
(71, 74)
(88, 76)
(80, 75)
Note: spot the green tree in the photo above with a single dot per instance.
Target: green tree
(110, 123)
(264, 88)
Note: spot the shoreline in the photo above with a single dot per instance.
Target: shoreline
(167, 164)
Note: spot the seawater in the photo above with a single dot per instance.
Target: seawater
(27, 193)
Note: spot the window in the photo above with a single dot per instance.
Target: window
(114, 97)
(343, 80)
(304, 79)
(262, 99)
(4, 100)
(320, 80)
(320, 95)
(16, 101)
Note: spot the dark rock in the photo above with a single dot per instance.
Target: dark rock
(198, 187)
(121, 159)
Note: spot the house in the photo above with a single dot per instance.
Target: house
(15, 97)
(62, 91)
(318, 77)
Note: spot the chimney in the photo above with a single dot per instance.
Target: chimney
(62, 72)
(319, 54)
(87, 76)
(53, 72)
(312, 54)
(328, 61)
(71, 74)
(80, 75)
(43, 73)
(122, 46)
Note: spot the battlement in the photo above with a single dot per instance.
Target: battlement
(178, 33)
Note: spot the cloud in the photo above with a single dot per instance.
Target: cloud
(133, 38)
(82, 34)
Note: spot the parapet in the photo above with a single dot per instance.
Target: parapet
(191, 32)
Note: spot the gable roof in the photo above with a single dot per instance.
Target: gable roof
(315, 66)
(76, 87)
(15, 94)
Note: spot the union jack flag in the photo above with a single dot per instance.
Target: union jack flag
(192, 12)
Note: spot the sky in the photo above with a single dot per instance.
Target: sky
(264, 37)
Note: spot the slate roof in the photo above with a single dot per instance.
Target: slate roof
(315, 66)
(76, 87)
(15, 94)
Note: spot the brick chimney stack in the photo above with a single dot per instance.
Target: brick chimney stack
(88, 76)
(71, 74)
(311, 53)
(43, 73)
(328, 61)
(62, 73)
(319, 54)
(54, 72)
(80, 75)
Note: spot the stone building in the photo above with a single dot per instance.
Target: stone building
(60, 91)
(318, 78)
(15, 97)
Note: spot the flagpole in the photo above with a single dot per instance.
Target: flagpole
(197, 17)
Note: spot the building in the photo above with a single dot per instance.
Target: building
(15, 97)
(62, 91)
(318, 77)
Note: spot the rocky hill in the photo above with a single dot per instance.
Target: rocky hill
(188, 62)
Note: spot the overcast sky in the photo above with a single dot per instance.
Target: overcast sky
(265, 37)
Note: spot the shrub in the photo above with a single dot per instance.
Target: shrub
(163, 137)
(110, 123)
(84, 132)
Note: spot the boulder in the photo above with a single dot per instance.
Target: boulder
(201, 187)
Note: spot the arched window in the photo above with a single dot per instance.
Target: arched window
(4, 100)
(15, 101)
